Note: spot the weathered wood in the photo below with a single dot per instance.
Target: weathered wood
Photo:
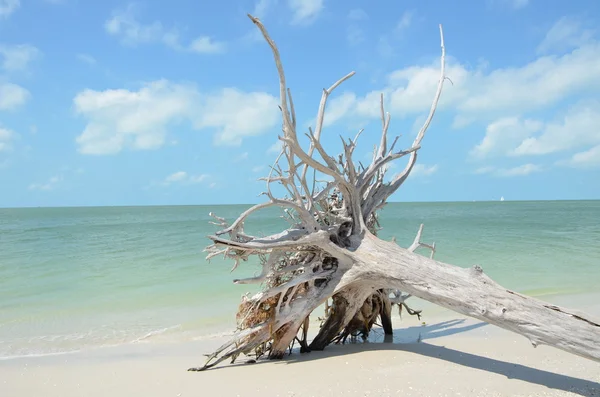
(471, 292)
(330, 251)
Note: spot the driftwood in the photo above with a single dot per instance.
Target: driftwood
(331, 251)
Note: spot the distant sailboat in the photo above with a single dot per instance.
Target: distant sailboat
(502, 198)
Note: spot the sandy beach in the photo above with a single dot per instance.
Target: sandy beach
(450, 355)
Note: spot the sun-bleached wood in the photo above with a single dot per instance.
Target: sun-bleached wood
(331, 252)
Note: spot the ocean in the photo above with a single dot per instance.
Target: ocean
(79, 278)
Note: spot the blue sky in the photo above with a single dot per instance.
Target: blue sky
(151, 102)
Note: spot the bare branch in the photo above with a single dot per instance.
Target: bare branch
(380, 193)
(285, 240)
(413, 158)
(418, 244)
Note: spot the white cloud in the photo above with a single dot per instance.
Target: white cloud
(258, 168)
(503, 135)
(521, 170)
(578, 128)
(423, 170)
(18, 57)
(15, 58)
(119, 118)
(176, 177)
(482, 95)
(87, 59)
(567, 33)
(136, 119)
(275, 148)
(512, 136)
(49, 185)
(338, 107)
(125, 25)
(305, 11)
(7, 7)
(12, 96)
(205, 45)
(183, 178)
(237, 115)
(587, 159)
(6, 137)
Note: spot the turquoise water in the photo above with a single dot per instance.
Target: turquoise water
(72, 278)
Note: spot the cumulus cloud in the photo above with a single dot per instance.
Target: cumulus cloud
(183, 178)
(423, 170)
(15, 58)
(12, 96)
(118, 118)
(206, 45)
(18, 57)
(125, 25)
(338, 108)
(6, 137)
(275, 148)
(503, 135)
(520, 170)
(586, 159)
(7, 7)
(236, 115)
(136, 119)
(576, 129)
(479, 94)
(305, 11)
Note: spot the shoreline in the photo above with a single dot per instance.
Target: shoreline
(175, 335)
(450, 355)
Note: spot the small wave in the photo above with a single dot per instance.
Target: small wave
(156, 333)
(51, 345)
(35, 355)
(215, 335)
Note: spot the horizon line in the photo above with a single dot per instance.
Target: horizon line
(240, 204)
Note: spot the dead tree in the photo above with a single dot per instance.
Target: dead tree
(330, 251)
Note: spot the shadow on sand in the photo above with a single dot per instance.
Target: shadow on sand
(409, 340)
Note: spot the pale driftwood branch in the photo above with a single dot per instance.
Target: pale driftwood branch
(384, 191)
(332, 252)
(418, 244)
(473, 293)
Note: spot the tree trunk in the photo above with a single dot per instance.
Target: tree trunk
(472, 293)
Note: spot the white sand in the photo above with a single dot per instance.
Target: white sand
(461, 357)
